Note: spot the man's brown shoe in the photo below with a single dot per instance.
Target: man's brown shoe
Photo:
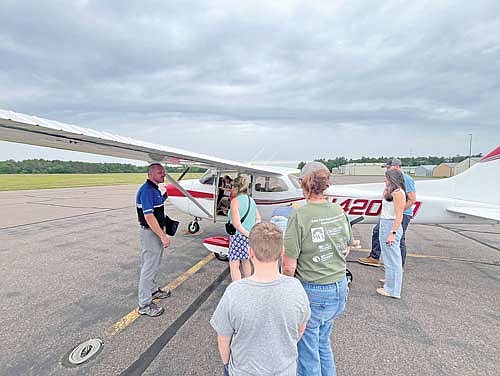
(370, 261)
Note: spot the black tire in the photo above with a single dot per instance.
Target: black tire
(193, 227)
(220, 257)
(348, 275)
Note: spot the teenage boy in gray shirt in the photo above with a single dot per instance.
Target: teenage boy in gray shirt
(260, 319)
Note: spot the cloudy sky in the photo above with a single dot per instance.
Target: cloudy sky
(259, 80)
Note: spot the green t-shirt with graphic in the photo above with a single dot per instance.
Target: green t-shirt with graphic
(317, 236)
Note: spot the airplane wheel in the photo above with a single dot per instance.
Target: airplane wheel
(193, 227)
(221, 257)
(348, 274)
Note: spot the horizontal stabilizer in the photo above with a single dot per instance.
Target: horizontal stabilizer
(481, 212)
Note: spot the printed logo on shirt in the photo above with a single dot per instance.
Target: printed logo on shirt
(322, 258)
(325, 247)
(318, 234)
(334, 231)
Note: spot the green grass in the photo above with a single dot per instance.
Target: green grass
(16, 182)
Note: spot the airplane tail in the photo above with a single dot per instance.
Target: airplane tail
(480, 183)
(475, 191)
(471, 193)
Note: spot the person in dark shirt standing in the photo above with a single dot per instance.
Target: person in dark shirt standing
(411, 197)
(151, 215)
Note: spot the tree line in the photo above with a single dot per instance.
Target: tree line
(42, 166)
(407, 161)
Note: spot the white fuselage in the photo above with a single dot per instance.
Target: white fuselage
(356, 200)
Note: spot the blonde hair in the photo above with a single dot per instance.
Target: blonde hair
(242, 184)
(266, 240)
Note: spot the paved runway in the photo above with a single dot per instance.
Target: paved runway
(69, 272)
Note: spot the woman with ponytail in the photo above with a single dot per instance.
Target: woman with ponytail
(243, 214)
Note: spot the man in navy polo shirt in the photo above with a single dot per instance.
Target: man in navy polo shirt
(411, 198)
(151, 215)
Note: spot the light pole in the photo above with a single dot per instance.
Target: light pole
(470, 147)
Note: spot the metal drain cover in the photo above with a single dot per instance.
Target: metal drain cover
(83, 352)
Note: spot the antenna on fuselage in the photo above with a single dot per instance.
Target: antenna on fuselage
(256, 155)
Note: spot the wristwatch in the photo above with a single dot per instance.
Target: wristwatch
(394, 232)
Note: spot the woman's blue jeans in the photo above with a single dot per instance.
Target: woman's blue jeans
(391, 255)
(315, 352)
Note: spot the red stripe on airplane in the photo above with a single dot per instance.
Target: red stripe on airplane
(276, 202)
(495, 154)
(173, 191)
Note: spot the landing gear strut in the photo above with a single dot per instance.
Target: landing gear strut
(194, 226)
(348, 275)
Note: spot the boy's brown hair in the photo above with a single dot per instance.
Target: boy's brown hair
(266, 240)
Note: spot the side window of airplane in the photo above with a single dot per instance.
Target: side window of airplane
(269, 184)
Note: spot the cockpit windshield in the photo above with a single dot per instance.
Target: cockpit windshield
(295, 180)
(208, 177)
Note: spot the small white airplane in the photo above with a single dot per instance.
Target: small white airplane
(468, 198)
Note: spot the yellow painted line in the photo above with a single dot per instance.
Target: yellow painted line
(433, 257)
(133, 315)
(360, 250)
(412, 255)
(186, 232)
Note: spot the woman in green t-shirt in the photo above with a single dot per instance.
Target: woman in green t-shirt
(317, 239)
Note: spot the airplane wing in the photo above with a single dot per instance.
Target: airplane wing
(481, 212)
(32, 130)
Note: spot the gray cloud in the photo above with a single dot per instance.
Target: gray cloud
(317, 79)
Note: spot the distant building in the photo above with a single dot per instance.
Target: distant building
(336, 171)
(369, 169)
(464, 165)
(444, 170)
(410, 170)
(373, 169)
(424, 170)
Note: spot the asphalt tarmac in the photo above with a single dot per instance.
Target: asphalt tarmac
(69, 272)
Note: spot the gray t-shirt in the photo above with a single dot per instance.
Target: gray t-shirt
(263, 318)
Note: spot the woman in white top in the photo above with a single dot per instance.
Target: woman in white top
(391, 231)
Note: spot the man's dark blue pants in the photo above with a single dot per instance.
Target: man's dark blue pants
(375, 253)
